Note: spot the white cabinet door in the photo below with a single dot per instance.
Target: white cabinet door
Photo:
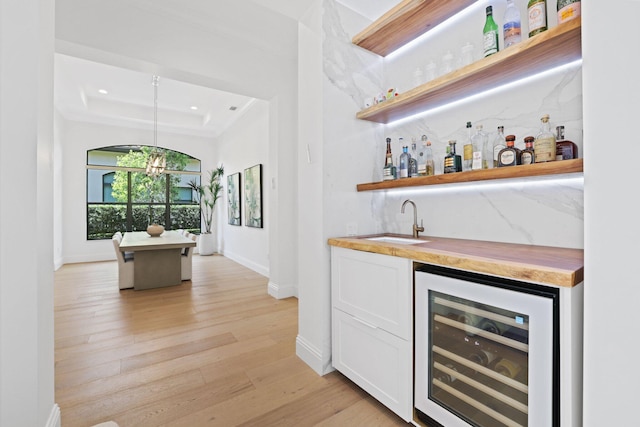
(374, 359)
(374, 288)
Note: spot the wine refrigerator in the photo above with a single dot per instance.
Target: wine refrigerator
(493, 352)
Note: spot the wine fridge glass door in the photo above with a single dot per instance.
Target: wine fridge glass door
(484, 354)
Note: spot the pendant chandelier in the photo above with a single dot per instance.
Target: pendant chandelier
(157, 159)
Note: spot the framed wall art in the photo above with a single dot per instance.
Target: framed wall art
(233, 199)
(253, 196)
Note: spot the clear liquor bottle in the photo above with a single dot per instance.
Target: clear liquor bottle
(479, 141)
(467, 150)
(537, 10)
(405, 158)
(490, 34)
(545, 142)
(452, 161)
(422, 156)
(498, 144)
(512, 25)
(429, 160)
(413, 161)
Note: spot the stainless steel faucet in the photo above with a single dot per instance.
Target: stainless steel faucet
(416, 229)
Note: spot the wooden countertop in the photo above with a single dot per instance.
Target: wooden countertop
(539, 264)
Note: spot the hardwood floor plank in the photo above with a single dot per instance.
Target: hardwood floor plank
(213, 351)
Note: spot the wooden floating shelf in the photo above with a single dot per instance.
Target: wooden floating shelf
(555, 47)
(406, 21)
(523, 171)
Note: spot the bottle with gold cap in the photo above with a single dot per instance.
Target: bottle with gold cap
(545, 142)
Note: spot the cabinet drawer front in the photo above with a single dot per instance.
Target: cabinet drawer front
(376, 360)
(374, 288)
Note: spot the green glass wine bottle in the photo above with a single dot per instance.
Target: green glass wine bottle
(490, 34)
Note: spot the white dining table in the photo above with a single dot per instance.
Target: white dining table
(156, 260)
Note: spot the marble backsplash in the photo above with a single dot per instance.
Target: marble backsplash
(541, 211)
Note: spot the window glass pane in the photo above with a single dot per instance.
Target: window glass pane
(121, 197)
(145, 189)
(104, 219)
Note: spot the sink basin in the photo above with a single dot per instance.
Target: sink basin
(397, 240)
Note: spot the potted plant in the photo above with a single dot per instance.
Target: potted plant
(207, 196)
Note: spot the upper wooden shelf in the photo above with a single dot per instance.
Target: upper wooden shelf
(406, 21)
(538, 169)
(557, 46)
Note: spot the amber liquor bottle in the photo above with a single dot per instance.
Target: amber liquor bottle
(509, 156)
(452, 161)
(564, 149)
(528, 156)
(387, 171)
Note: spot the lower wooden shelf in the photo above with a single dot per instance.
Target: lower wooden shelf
(523, 171)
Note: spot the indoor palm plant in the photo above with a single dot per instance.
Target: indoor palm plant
(207, 196)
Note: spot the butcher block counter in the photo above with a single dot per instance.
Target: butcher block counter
(539, 264)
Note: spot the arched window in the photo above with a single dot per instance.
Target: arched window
(121, 197)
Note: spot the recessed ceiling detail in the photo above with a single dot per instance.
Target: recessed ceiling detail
(79, 96)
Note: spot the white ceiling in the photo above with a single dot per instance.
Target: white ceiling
(129, 101)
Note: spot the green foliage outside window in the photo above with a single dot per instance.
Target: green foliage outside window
(145, 188)
(105, 219)
(147, 199)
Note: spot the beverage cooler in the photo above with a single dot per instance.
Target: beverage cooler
(492, 352)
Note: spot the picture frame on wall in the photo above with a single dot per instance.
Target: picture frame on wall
(233, 199)
(253, 196)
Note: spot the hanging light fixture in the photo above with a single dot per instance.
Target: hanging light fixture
(157, 158)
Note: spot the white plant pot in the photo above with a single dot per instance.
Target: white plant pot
(206, 244)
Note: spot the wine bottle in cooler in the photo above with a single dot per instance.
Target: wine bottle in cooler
(507, 367)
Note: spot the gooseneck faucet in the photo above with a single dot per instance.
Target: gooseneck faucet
(416, 229)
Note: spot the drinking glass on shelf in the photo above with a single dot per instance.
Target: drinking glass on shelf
(466, 54)
(418, 77)
(447, 63)
(431, 71)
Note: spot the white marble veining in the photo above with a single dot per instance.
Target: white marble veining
(541, 211)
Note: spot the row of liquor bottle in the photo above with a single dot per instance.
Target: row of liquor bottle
(481, 153)
(537, 20)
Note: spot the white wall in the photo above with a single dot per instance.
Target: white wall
(78, 137)
(243, 145)
(612, 230)
(26, 224)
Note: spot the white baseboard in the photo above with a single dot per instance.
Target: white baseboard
(281, 292)
(54, 417)
(312, 357)
(260, 269)
(107, 256)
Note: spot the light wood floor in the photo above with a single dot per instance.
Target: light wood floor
(214, 351)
